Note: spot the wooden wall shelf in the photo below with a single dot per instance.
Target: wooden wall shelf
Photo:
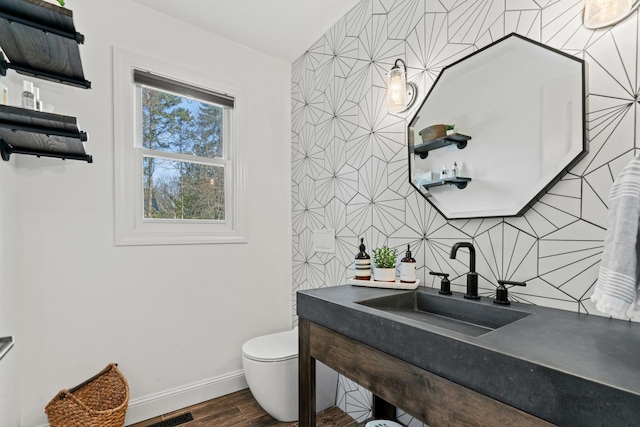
(40, 40)
(36, 133)
(457, 138)
(459, 181)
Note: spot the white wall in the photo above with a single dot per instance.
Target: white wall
(173, 317)
(9, 384)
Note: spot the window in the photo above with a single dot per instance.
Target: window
(178, 165)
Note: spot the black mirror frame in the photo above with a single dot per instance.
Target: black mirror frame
(552, 182)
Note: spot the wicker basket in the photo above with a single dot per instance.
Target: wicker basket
(433, 132)
(100, 401)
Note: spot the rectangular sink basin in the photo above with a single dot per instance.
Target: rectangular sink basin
(450, 312)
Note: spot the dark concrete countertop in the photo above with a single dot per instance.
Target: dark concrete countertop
(570, 369)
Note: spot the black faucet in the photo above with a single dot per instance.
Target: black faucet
(472, 276)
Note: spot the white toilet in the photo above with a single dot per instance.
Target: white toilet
(271, 368)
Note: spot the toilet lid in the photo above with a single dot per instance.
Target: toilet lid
(272, 348)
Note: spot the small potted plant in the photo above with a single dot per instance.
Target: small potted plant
(450, 129)
(384, 261)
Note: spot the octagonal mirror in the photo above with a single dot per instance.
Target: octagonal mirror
(498, 128)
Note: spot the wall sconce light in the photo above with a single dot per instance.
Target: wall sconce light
(604, 13)
(400, 94)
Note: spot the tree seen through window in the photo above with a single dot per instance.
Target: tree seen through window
(182, 189)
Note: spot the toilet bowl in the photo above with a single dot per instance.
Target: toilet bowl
(270, 365)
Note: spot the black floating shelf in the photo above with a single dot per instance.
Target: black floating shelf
(457, 138)
(460, 182)
(40, 40)
(40, 134)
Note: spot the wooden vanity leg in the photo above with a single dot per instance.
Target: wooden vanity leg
(306, 376)
(382, 410)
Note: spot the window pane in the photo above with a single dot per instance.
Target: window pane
(181, 125)
(182, 190)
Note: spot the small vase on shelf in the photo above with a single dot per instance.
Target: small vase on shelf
(450, 130)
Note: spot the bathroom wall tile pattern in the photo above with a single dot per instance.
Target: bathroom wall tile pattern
(349, 159)
(353, 399)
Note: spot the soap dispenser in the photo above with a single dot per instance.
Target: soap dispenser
(363, 263)
(408, 267)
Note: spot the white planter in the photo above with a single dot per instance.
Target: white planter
(384, 274)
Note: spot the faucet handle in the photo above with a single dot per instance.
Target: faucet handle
(445, 284)
(502, 294)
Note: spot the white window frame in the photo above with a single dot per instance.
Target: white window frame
(131, 228)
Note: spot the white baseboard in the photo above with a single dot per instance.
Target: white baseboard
(150, 406)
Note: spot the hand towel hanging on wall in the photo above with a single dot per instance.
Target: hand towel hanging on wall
(616, 292)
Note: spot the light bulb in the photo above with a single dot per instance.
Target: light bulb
(603, 13)
(397, 90)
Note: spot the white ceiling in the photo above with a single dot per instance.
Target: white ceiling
(284, 29)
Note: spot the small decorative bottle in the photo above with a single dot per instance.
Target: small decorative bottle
(408, 267)
(28, 100)
(363, 263)
(454, 170)
(444, 172)
(38, 105)
(4, 94)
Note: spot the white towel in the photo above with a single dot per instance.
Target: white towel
(616, 292)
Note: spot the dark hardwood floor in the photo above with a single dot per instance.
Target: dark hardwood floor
(240, 409)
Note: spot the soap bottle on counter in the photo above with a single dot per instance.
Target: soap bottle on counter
(363, 263)
(408, 267)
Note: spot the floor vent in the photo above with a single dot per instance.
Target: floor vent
(175, 421)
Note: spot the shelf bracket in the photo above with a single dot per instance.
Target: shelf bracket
(5, 345)
(5, 150)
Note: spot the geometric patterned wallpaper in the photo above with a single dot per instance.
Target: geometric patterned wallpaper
(349, 158)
